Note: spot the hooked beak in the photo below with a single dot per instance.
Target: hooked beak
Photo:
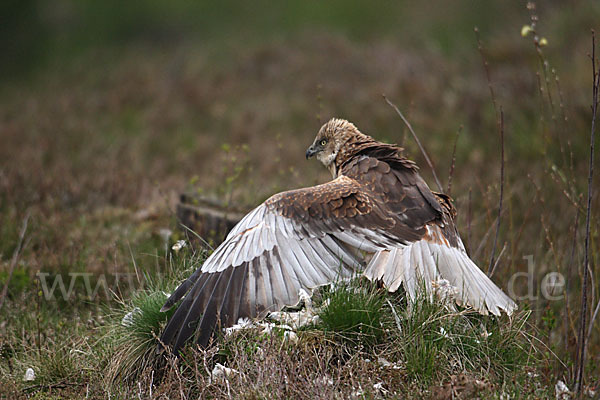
(310, 152)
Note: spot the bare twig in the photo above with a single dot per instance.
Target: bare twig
(427, 159)
(584, 305)
(469, 216)
(498, 260)
(409, 113)
(592, 320)
(14, 259)
(190, 230)
(483, 242)
(500, 124)
(487, 74)
(538, 42)
(38, 316)
(568, 282)
(135, 268)
(451, 173)
(491, 265)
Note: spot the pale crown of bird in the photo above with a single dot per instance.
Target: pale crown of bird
(335, 135)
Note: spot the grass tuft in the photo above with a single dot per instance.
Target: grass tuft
(436, 342)
(426, 337)
(135, 325)
(354, 311)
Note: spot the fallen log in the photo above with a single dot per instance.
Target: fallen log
(210, 219)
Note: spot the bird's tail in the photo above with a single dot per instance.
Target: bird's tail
(423, 263)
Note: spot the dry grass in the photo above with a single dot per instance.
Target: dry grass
(96, 150)
(369, 355)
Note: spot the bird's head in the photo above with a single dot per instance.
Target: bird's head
(329, 141)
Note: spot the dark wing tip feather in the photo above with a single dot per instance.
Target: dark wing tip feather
(196, 306)
(214, 299)
(181, 290)
(212, 311)
(179, 318)
(166, 307)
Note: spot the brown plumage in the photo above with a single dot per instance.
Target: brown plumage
(377, 214)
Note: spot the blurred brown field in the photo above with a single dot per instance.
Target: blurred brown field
(109, 112)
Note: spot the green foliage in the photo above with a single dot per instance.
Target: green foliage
(19, 281)
(434, 340)
(429, 339)
(355, 312)
(135, 325)
(146, 319)
(134, 336)
(56, 366)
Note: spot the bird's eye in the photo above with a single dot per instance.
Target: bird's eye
(323, 142)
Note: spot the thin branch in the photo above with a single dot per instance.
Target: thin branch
(538, 43)
(584, 305)
(469, 217)
(594, 315)
(487, 73)
(137, 275)
(498, 260)
(437, 181)
(14, 259)
(491, 265)
(569, 282)
(500, 124)
(483, 242)
(451, 173)
(411, 107)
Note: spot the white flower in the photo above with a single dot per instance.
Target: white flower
(379, 387)
(243, 323)
(383, 362)
(128, 318)
(295, 319)
(386, 364)
(300, 318)
(221, 372)
(29, 375)
(561, 391)
(306, 298)
(444, 333)
(267, 327)
(180, 244)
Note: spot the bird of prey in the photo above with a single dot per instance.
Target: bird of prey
(377, 215)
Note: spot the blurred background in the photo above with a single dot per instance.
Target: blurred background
(109, 110)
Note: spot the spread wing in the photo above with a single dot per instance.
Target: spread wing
(298, 239)
(436, 257)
